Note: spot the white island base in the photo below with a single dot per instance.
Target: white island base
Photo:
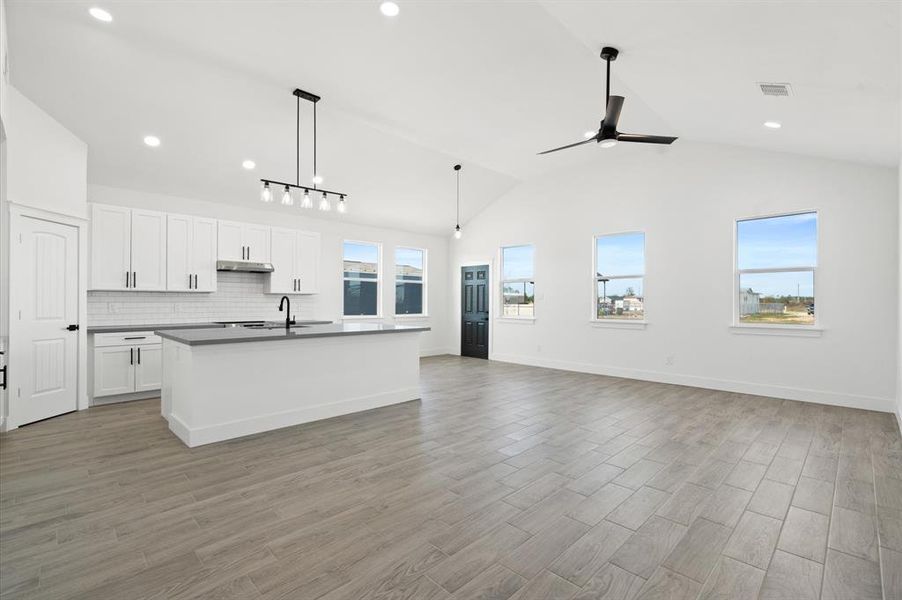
(222, 391)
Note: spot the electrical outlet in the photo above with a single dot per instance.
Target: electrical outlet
(669, 360)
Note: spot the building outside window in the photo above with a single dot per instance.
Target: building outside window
(410, 281)
(518, 291)
(776, 263)
(361, 268)
(619, 277)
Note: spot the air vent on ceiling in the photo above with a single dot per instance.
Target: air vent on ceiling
(775, 89)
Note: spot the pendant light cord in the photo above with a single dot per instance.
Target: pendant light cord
(297, 143)
(315, 172)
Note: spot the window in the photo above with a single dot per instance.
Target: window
(361, 279)
(410, 281)
(776, 259)
(620, 276)
(518, 290)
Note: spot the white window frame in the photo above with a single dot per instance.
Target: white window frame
(425, 293)
(775, 328)
(378, 280)
(618, 322)
(503, 281)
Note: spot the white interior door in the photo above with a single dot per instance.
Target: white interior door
(148, 250)
(47, 365)
(203, 254)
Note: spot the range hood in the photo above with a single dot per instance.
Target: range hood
(244, 266)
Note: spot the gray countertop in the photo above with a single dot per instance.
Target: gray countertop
(232, 335)
(159, 326)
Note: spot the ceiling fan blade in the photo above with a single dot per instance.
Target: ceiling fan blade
(591, 139)
(645, 139)
(612, 113)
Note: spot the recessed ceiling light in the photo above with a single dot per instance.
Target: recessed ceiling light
(773, 124)
(249, 165)
(152, 141)
(100, 14)
(589, 134)
(389, 9)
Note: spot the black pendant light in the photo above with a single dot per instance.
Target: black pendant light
(457, 231)
(307, 202)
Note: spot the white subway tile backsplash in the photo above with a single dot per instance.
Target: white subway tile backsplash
(239, 297)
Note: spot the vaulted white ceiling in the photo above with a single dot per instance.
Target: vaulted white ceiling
(487, 84)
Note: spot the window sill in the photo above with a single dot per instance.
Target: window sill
(612, 324)
(362, 318)
(411, 317)
(777, 330)
(520, 320)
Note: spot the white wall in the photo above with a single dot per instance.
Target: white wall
(686, 198)
(326, 305)
(47, 165)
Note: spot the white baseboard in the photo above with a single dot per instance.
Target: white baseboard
(233, 429)
(742, 387)
(432, 352)
(2, 424)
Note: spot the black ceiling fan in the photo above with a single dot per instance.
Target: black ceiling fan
(607, 134)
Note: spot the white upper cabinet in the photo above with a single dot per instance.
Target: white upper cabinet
(231, 241)
(283, 255)
(127, 249)
(308, 262)
(190, 253)
(111, 228)
(148, 250)
(295, 258)
(203, 254)
(243, 241)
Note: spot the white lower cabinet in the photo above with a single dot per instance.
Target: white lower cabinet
(114, 372)
(125, 363)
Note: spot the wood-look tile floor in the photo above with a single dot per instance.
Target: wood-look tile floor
(505, 481)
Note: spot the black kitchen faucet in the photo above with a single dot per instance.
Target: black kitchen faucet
(288, 320)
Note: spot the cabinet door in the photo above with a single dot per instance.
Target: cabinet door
(148, 367)
(148, 250)
(256, 238)
(284, 251)
(178, 253)
(308, 262)
(114, 371)
(110, 247)
(231, 241)
(203, 254)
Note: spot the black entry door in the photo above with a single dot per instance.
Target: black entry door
(474, 325)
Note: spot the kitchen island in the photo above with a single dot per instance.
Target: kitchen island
(220, 384)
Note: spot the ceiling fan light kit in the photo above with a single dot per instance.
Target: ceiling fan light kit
(306, 202)
(607, 135)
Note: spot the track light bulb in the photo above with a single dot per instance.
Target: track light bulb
(342, 206)
(324, 204)
(266, 194)
(287, 200)
(457, 232)
(306, 202)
